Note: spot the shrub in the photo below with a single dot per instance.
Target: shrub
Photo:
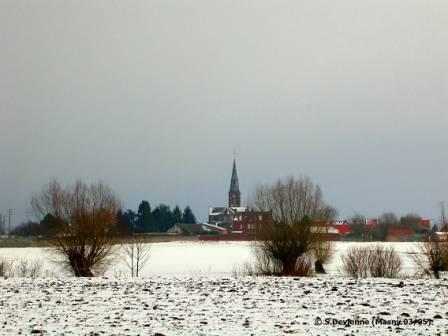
(6, 267)
(384, 262)
(267, 266)
(354, 262)
(371, 261)
(322, 253)
(432, 257)
(29, 268)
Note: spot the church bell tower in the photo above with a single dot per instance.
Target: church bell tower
(234, 192)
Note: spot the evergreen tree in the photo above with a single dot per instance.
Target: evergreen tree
(48, 226)
(163, 217)
(177, 215)
(188, 216)
(130, 220)
(434, 229)
(145, 222)
(122, 227)
(27, 229)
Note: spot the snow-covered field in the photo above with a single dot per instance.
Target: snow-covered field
(203, 258)
(223, 306)
(187, 288)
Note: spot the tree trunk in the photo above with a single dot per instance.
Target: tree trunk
(80, 266)
(289, 267)
(319, 267)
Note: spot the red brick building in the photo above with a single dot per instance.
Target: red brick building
(250, 221)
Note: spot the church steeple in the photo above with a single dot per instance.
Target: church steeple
(234, 192)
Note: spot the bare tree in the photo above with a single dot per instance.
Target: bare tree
(431, 257)
(358, 226)
(85, 216)
(291, 199)
(35, 269)
(384, 262)
(300, 217)
(135, 254)
(443, 217)
(31, 268)
(22, 268)
(322, 252)
(355, 262)
(374, 261)
(6, 267)
(389, 219)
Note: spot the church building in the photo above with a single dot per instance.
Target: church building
(236, 218)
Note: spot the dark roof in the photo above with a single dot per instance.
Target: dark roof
(196, 228)
(234, 185)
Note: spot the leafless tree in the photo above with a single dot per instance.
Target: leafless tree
(29, 267)
(85, 216)
(6, 267)
(291, 199)
(322, 252)
(300, 217)
(373, 260)
(384, 262)
(135, 253)
(443, 218)
(22, 268)
(355, 262)
(35, 269)
(431, 257)
(358, 226)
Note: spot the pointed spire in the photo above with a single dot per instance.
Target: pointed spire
(234, 185)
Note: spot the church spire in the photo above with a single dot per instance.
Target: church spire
(234, 186)
(234, 192)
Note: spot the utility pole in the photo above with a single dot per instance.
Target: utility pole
(9, 221)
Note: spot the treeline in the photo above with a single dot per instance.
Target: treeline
(145, 220)
(161, 219)
(386, 221)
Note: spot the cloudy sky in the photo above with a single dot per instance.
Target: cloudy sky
(154, 97)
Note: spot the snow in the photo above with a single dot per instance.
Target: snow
(187, 288)
(206, 258)
(221, 306)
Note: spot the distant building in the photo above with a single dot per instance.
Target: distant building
(224, 216)
(195, 229)
(371, 222)
(442, 235)
(328, 232)
(342, 227)
(399, 234)
(250, 221)
(235, 218)
(426, 223)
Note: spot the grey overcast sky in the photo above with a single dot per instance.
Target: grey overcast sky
(153, 97)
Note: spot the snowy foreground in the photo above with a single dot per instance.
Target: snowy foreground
(188, 288)
(223, 306)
